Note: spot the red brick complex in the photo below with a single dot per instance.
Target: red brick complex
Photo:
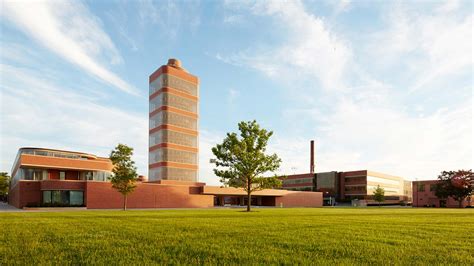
(424, 196)
(45, 177)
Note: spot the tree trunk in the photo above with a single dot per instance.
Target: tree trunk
(249, 196)
(460, 200)
(124, 202)
(249, 201)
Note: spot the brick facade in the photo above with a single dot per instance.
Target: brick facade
(424, 196)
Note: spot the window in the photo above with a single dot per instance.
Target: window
(421, 187)
(433, 187)
(76, 197)
(56, 196)
(63, 197)
(47, 196)
(62, 175)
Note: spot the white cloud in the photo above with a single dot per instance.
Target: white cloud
(233, 95)
(207, 140)
(430, 46)
(341, 6)
(311, 48)
(369, 123)
(72, 32)
(36, 112)
(170, 16)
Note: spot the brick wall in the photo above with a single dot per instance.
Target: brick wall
(25, 192)
(300, 199)
(101, 195)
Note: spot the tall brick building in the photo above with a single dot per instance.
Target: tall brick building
(173, 132)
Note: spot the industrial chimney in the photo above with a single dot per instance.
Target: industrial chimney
(311, 164)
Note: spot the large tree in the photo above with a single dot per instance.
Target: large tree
(124, 171)
(4, 184)
(379, 194)
(456, 184)
(241, 160)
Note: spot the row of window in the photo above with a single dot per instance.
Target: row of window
(171, 155)
(167, 136)
(383, 180)
(356, 188)
(170, 118)
(421, 187)
(355, 180)
(43, 174)
(53, 154)
(297, 181)
(166, 80)
(173, 101)
(166, 173)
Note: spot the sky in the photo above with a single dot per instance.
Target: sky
(379, 85)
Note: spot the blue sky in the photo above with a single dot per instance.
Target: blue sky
(380, 85)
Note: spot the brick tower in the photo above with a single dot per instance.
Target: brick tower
(173, 128)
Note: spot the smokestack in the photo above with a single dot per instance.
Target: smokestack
(311, 164)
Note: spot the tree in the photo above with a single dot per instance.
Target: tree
(379, 194)
(124, 171)
(4, 184)
(456, 184)
(241, 160)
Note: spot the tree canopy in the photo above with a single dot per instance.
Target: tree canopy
(379, 194)
(241, 160)
(4, 184)
(124, 171)
(456, 184)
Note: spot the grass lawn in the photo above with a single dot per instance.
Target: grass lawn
(275, 236)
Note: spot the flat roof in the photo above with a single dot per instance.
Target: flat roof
(65, 151)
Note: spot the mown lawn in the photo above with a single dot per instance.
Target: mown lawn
(267, 236)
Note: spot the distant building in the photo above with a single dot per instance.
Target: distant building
(347, 186)
(424, 196)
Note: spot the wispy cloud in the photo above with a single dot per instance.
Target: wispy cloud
(39, 112)
(69, 30)
(170, 16)
(358, 120)
(429, 46)
(310, 49)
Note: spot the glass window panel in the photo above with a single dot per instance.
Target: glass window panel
(47, 196)
(56, 196)
(65, 197)
(76, 197)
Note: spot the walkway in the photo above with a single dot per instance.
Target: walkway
(4, 207)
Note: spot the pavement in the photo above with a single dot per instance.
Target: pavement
(5, 207)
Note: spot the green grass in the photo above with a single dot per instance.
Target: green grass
(267, 236)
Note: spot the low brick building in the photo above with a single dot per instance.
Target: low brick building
(424, 196)
(46, 177)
